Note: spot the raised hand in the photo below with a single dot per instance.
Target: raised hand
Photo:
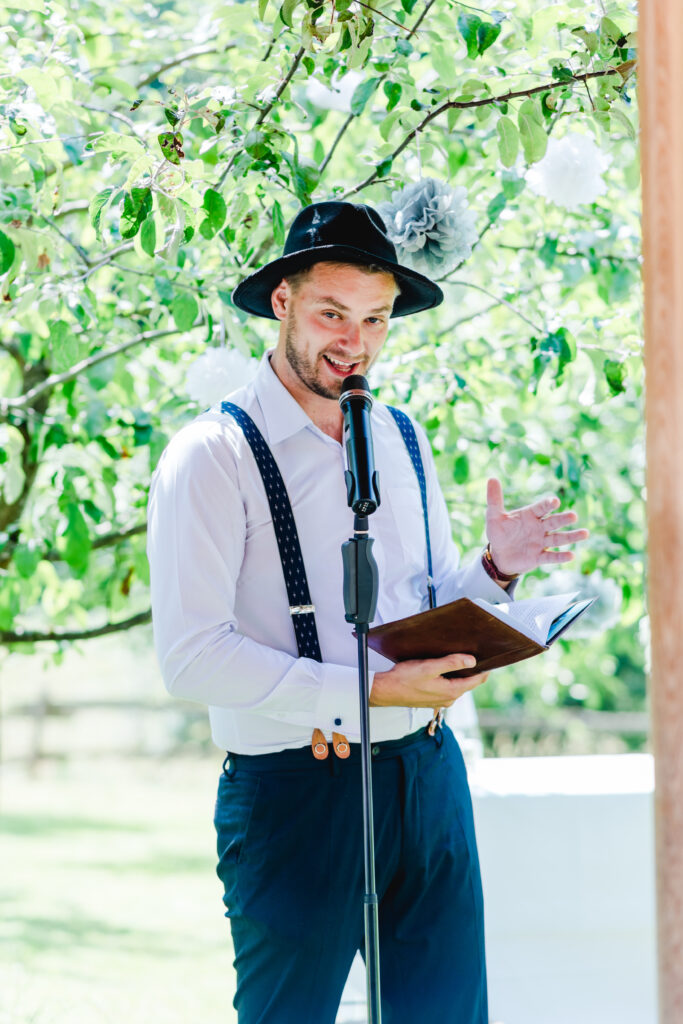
(524, 538)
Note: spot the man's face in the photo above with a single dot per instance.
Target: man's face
(335, 324)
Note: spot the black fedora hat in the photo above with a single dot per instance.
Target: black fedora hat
(337, 232)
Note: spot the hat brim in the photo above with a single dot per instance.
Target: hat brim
(253, 294)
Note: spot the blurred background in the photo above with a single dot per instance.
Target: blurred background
(150, 157)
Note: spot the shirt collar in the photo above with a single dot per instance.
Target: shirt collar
(282, 413)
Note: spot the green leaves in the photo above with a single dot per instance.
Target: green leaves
(184, 309)
(478, 34)
(137, 205)
(78, 544)
(214, 206)
(97, 204)
(286, 12)
(361, 95)
(508, 141)
(531, 131)
(609, 30)
(393, 92)
(278, 225)
(171, 145)
(7, 252)
(470, 359)
(615, 375)
(26, 558)
(461, 468)
(558, 348)
(305, 176)
(116, 144)
(148, 236)
(64, 346)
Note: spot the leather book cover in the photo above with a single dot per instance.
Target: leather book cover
(460, 627)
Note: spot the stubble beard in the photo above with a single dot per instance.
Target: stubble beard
(307, 372)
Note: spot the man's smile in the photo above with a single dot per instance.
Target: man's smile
(341, 367)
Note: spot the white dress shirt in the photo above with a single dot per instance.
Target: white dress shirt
(222, 627)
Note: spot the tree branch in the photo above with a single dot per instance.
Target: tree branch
(10, 512)
(502, 301)
(13, 350)
(381, 14)
(106, 540)
(74, 207)
(334, 145)
(74, 245)
(479, 312)
(420, 19)
(113, 113)
(576, 254)
(38, 142)
(51, 382)
(268, 107)
(200, 51)
(382, 77)
(32, 637)
(504, 98)
(107, 259)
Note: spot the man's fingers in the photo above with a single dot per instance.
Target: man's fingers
(477, 680)
(557, 540)
(451, 663)
(541, 507)
(494, 495)
(553, 557)
(461, 686)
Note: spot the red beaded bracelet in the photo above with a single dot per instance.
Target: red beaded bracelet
(492, 569)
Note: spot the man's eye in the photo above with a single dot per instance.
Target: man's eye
(375, 320)
(330, 313)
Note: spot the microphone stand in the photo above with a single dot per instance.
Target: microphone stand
(360, 602)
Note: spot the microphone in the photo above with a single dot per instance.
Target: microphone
(362, 479)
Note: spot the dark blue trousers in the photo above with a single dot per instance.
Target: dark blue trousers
(290, 848)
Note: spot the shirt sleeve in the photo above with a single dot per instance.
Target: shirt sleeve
(452, 580)
(197, 531)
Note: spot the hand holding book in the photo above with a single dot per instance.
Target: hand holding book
(494, 634)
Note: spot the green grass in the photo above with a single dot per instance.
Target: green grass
(110, 909)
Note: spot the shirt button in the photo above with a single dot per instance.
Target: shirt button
(375, 751)
(337, 721)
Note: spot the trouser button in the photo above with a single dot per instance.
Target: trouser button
(375, 751)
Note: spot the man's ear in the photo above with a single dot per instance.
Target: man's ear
(280, 298)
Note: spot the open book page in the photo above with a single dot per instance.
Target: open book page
(532, 616)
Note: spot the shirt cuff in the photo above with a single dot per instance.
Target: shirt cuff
(476, 582)
(338, 706)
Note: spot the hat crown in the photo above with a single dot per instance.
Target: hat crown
(336, 223)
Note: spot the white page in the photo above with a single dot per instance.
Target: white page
(532, 616)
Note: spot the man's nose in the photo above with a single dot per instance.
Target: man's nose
(351, 334)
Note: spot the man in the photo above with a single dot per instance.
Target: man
(290, 826)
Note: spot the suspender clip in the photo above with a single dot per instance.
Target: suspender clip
(301, 609)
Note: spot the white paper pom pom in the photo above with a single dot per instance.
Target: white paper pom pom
(571, 171)
(217, 372)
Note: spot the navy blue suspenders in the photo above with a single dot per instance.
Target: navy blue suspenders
(300, 607)
(409, 436)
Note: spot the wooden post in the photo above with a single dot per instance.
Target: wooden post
(660, 89)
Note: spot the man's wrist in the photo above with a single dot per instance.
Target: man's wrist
(502, 578)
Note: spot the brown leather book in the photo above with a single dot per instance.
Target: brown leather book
(463, 627)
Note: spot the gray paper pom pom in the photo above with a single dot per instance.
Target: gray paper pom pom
(430, 225)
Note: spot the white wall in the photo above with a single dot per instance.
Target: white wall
(566, 847)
